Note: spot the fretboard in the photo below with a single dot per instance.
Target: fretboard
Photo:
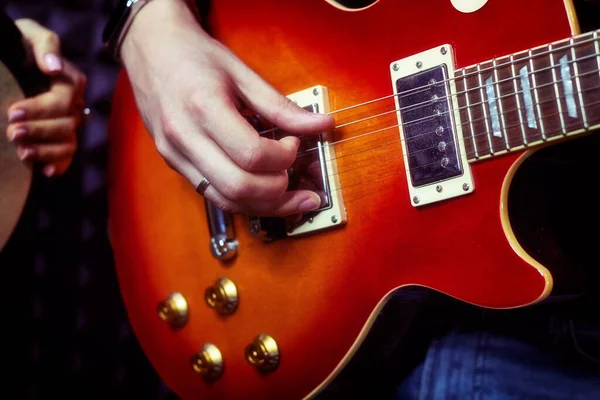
(530, 97)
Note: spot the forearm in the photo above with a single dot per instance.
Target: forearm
(187, 86)
(169, 15)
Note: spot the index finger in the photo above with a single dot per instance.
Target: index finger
(243, 144)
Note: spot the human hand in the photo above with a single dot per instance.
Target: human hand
(43, 127)
(189, 89)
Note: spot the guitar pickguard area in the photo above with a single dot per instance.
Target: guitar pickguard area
(430, 127)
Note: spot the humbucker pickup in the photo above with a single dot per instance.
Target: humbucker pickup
(314, 169)
(430, 127)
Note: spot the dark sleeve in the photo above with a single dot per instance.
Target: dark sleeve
(203, 7)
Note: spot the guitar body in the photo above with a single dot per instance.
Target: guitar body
(318, 295)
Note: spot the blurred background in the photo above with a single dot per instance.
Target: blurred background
(65, 331)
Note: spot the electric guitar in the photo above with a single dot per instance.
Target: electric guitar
(437, 104)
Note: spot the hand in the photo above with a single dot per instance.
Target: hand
(44, 127)
(189, 89)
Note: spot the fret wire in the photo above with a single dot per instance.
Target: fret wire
(479, 119)
(469, 114)
(416, 106)
(597, 55)
(425, 118)
(485, 120)
(591, 104)
(594, 39)
(535, 93)
(597, 47)
(543, 102)
(408, 170)
(578, 83)
(508, 79)
(455, 94)
(557, 91)
(519, 91)
(508, 151)
(484, 133)
(597, 88)
(516, 86)
(546, 101)
(499, 99)
(306, 152)
(479, 134)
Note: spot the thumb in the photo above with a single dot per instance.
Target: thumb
(45, 45)
(275, 107)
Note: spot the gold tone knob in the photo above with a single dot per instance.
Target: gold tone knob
(263, 353)
(208, 362)
(173, 310)
(222, 296)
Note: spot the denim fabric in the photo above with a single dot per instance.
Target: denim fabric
(482, 365)
(545, 358)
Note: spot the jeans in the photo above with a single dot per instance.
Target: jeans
(535, 354)
(425, 346)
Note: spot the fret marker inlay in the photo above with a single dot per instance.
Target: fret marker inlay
(531, 97)
(565, 76)
(527, 97)
(491, 98)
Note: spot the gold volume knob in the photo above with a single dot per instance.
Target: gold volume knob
(263, 353)
(222, 296)
(208, 362)
(173, 310)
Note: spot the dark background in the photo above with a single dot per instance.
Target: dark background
(64, 328)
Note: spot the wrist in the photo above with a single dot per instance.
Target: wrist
(143, 30)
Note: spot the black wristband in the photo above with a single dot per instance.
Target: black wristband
(118, 24)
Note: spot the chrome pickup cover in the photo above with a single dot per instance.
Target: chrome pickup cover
(430, 127)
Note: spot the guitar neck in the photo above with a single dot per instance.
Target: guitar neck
(531, 97)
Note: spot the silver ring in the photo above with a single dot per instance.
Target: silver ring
(201, 188)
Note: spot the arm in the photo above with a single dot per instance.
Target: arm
(188, 87)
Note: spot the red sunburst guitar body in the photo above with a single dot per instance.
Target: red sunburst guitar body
(317, 295)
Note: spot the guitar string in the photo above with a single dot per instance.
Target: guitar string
(470, 106)
(522, 147)
(504, 151)
(477, 88)
(462, 124)
(424, 88)
(395, 173)
(576, 76)
(493, 67)
(550, 99)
